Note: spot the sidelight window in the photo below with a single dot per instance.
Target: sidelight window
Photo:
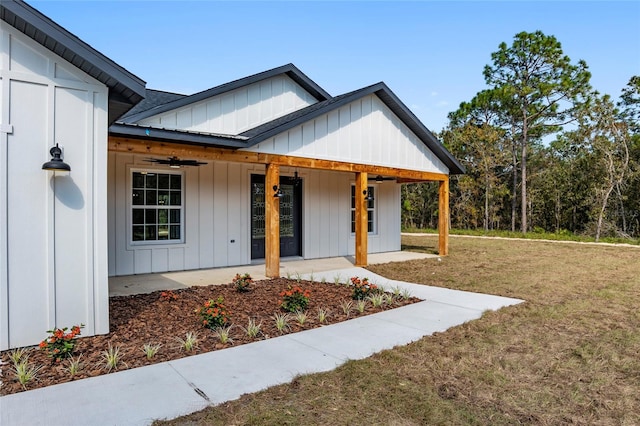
(371, 210)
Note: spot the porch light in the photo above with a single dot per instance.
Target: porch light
(367, 195)
(278, 192)
(56, 164)
(379, 179)
(296, 178)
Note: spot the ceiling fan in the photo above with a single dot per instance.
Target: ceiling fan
(379, 178)
(175, 162)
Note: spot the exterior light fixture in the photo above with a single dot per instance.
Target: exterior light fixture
(56, 164)
(379, 179)
(367, 195)
(278, 192)
(296, 178)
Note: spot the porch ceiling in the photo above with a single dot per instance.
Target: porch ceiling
(161, 148)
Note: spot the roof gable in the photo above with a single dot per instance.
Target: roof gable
(125, 89)
(362, 131)
(385, 94)
(417, 135)
(235, 111)
(289, 70)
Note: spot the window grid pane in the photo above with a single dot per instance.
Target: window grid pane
(371, 208)
(161, 196)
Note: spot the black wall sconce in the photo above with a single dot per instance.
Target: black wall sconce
(278, 192)
(56, 164)
(379, 179)
(296, 179)
(367, 195)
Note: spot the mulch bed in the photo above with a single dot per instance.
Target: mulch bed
(151, 318)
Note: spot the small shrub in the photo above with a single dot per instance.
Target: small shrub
(189, 343)
(214, 314)
(362, 288)
(301, 317)
(282, 322)
(74, 365)
(376, 299)
(112, 358)
(294, 299)
(322, 314)
(361, 305)
(242, 282)
(253, 329)
(346, 306)
(60, 344)
(222, 333)
(168, 296)
(406, 294)
(17, 355)
(25, 372)
(150, 350)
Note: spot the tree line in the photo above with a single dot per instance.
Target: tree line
(543, 150)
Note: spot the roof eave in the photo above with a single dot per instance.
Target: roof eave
(125, 89)
(143, 133)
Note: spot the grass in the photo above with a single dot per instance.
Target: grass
(562, 235)
(567, 355)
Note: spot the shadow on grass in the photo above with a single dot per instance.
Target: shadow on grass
(419, 249)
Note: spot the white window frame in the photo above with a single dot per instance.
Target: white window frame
(373, 189)
(132, 206)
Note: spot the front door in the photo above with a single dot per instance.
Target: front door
(290, 216)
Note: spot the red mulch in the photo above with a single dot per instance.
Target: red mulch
(150, 318)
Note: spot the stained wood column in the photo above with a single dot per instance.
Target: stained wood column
(361, 219)
(443, 217)
(272, 222)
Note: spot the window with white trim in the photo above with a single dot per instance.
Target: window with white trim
(156, 207)
(371, 209)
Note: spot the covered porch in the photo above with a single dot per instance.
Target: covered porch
(272, 165)
(293, 267)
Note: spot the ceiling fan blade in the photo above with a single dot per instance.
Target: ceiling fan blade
(175, 162)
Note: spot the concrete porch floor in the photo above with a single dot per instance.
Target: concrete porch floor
(147, 283)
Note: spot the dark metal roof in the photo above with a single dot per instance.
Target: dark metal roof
(187, 137)
(290, 70)
(125, 89)
(152, 99)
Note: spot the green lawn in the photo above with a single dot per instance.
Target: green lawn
(569, 355)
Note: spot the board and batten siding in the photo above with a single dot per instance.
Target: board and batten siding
(238, 110)
(365, 131)
(217, 217)
(53, 242)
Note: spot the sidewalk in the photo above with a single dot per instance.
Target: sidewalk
(171, 389)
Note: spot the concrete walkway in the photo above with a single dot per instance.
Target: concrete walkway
(147, 283)
(171, 389)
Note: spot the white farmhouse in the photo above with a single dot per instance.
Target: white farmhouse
(264, 167)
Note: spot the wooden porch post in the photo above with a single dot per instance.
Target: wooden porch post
(361, 219)
(443, 217)
(272, 222)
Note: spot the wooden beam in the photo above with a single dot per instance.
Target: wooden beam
(167, 149)
(272, 219)
(361, 219)
(443, 218)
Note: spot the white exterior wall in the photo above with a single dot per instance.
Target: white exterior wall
(53, 257)
(239, 110)
(217, 211)
(365, 131)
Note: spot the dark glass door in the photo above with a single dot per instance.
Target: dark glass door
(290, 216)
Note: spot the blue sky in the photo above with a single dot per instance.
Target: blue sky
(430, 53)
